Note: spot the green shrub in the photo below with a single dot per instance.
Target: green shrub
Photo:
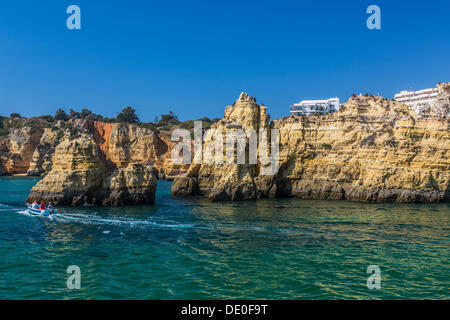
(61, 115)
(170, 117)
(30, 123)
(47, 118)
(15, 115)
(187, 124)
(128, 114)
(148, 125)
(3, 122)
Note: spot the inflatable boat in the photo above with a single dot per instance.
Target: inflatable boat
(39, 212)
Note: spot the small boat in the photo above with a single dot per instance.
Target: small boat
(40, 212)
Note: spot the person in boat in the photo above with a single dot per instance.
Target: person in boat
(50, 207)
(35, 205)
(42, 205)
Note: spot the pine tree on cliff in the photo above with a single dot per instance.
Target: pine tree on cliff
(128, 114)
(61, 115)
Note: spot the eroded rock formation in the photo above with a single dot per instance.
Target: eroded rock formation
(41, 161)
(80, 175)
(373, 149)
(221, 182)
(16, 150)
(441, 108)
(30, 150)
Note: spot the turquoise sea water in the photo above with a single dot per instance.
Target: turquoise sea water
(187, 248)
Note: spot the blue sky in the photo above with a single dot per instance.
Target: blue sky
(195, 57)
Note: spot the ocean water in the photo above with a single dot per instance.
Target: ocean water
(187, 248)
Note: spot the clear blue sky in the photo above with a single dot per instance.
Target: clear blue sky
(195, 57)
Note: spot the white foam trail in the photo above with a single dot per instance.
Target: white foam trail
(97, 220)
(26, 213)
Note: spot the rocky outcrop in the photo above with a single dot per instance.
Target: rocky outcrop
(167, 170)
(30, 150)
(16, 151)
(224, 181)
(41, 161)
(134, 184)
(77, 173)
(441, 109)
(80, 175)
(373, 149)
(124, 143)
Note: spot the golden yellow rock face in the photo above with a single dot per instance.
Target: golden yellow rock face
(41, 161)
(373, 149)
(224, 181)
(123, 143)
(77, 172)
(134, 184)
(98, 163)
(16, 151)
(80, 175)
(30, 150)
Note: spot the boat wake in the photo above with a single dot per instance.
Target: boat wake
(94, 219)
(25, 213)
(4, 207)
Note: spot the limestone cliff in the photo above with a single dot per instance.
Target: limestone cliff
(41, 161)
(373, 149)
(229, 181)
(30, 150)
(124, 143)
(165, 166)
(441, 109)
(134, 184)
(80, 175)
(16, 150)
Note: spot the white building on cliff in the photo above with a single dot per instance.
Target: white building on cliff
(418, 100)
(319, 107)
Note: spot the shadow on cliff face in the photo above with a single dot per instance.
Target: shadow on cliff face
(283, 188)
(161, 146)
(101, 132)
